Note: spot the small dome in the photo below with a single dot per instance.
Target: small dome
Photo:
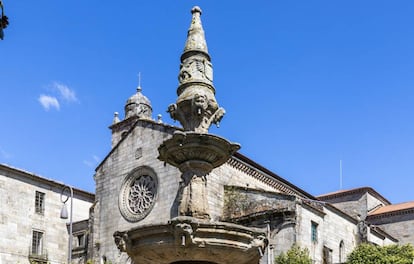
(138, 105)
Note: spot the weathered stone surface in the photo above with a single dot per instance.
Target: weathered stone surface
(112, 173)
(195, 155)
(191, 239)
(194, 150)
(400, 224)
(18, 217)
(240, 202)
(196, 107)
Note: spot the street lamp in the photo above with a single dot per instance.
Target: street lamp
(64, 215)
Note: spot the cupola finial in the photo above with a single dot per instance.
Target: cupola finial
(139, 88)
(138, 105)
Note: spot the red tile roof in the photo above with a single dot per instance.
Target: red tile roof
(393, 208)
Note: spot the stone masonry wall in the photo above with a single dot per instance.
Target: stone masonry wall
(354, 204)
(139, 148)
(227, 175)
(331, 229)
(400, 226)
(18, 218)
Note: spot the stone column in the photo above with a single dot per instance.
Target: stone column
(193, 198)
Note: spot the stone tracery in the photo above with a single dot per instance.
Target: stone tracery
(138, 194)
(141, 194)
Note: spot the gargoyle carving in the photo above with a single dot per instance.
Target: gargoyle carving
(121, 240)
(183, 234)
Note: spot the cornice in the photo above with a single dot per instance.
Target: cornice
(22, 174)
(354, 191)
(242, 163)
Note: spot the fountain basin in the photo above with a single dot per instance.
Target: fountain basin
(192, 150)
(186, 239)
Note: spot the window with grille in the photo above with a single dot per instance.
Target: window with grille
(40, 202)
(314, 232)
(37, 243)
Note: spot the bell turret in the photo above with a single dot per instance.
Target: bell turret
(138, 105)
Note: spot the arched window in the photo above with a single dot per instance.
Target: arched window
(341, 252)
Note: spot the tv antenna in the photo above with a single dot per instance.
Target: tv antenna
(340, 175)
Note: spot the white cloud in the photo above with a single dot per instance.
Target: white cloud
(60, 93)
(92, 163)
(65, 92)
(88, 163)
(48, 102)
(96, 158)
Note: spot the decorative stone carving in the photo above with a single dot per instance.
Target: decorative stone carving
(138, 193)
(183, 234)
(195, 152)
(195, 68)
(196, 40)
(195, 155)
(188, 238)
(363, 231)
(121, 240)
(138, 153)
(192, 236)
(196, 107)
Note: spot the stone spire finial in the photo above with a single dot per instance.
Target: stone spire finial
(196, 40)
(196, 107)
(116, 118)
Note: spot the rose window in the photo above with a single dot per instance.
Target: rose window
(138, 194)
(141, 194)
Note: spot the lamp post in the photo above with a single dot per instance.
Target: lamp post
(64, 215)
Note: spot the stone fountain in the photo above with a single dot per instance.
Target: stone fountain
(192, 237)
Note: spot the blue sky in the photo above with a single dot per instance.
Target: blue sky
(304, 83)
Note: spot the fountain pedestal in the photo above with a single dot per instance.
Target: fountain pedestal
(195, 155)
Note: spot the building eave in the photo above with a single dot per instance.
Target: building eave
(344, 193)
(32, 176)
(129, 132)
(265, 175)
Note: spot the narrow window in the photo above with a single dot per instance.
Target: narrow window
(341, 252)
(314, 232)
(37, 243)
(80, 240)
(40, 202)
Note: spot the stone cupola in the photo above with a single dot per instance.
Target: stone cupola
(138, 105)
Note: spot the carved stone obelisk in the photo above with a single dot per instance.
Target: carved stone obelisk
(194, 151)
